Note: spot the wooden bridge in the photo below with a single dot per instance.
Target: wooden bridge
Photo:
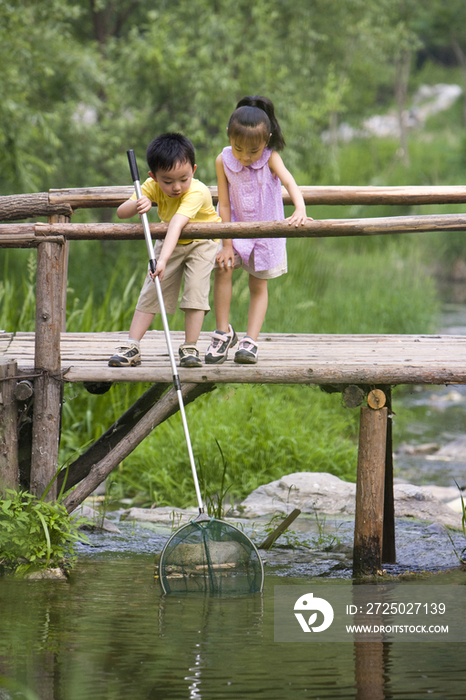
(363, 367)
(284, 359)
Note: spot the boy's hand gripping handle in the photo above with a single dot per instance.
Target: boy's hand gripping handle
(133, 166)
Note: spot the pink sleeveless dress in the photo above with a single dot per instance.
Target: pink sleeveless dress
(255, 195)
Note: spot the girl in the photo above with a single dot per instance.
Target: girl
(250, 173)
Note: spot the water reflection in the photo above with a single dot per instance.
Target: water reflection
(109, 634)
(369, 669)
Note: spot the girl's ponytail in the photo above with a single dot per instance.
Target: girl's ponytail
(277, 142)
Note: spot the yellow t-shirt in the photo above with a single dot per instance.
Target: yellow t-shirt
(195, 203)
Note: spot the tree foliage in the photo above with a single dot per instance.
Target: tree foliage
(83, 80)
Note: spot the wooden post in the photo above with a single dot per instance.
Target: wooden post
(47, 387)
(368, 527)
(389, 547)
(9, 469)
(65, 251)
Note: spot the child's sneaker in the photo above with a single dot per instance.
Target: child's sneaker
(126, 356)
(247, 352)
(189, 356)
(217, 352)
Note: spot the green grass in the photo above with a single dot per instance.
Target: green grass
(263, 432)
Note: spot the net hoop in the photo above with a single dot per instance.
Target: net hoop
(192, 522)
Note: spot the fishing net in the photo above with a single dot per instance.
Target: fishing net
(210, 556)
(206, 555)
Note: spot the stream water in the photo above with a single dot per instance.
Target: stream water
(108, 633)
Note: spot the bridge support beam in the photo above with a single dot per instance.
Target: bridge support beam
(370, 489)
(9, 469)
(389, 549)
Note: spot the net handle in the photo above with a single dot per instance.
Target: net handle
(176, 380)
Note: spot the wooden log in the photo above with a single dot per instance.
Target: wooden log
(65, 251)
(327, 228)
(15, 207)
(353, 396)
(368, 527)
(167, 405)
(25, 442)
(24, 390)
(273, 373)
(48, 386)
(376, 398)
(26, 241)
(18, 236)
(389, 544)
(64, 201)
(93, 197)
(9, 469)
(284, 525)
(17, 230)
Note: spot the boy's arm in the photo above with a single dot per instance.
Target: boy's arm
(132, 207)
(176, 225)
(278, 168)
(226, 255)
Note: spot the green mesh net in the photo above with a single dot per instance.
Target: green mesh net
(210, 556)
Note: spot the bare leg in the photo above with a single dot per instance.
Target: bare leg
(257, 305)
(193, 320)
(222, 297)
(140, 324)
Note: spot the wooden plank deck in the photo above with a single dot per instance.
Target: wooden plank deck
(283, 359)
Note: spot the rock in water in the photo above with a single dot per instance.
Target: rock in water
(220, 553)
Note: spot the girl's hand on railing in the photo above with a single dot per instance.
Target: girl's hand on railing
(298, 218)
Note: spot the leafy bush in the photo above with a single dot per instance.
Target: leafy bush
(35, 533)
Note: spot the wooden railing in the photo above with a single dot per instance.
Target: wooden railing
(65, 201)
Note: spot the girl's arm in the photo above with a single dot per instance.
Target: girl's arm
(277, 167)
(176, 225)
(226, 255)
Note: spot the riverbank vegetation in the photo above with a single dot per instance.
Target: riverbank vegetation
(97, 80)
(36, 534)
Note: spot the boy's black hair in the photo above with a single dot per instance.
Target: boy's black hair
(164, 152)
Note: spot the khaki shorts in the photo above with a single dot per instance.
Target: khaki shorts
(260, 274)
(195, 261)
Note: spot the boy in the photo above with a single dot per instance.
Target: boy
(179, 198)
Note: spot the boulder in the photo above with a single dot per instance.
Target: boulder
(317, 492)
(56, 574)
(220, 553)
(443, 493)
(165, 514)
(453, 451)
(418, 502)
(308, 491)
